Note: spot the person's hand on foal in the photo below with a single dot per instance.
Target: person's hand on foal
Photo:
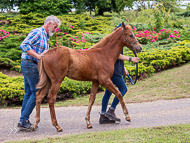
(135, 59)
(41, 55)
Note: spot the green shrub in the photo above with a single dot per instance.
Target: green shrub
(184, 13)
(47, 7)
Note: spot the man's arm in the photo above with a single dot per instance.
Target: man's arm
(34, 54)
(133, 59)
(28, 41)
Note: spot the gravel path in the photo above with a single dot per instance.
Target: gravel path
(71, 119)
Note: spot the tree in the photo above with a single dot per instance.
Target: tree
(46, 7)
(120, 4)
(10, 4)
(79, 5)
(101, 5)
(6, 4)
(169, 5)
(146, 4)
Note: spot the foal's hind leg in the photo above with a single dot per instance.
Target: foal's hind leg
(94, 89)
(39, 97)
(110, 86)
(51, 100)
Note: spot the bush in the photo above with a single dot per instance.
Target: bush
(47, 7)
(183, 14)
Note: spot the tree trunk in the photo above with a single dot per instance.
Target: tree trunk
(101, 12)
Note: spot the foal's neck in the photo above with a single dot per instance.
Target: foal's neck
(114, 47)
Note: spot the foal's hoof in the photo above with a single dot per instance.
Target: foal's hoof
(128, 119)
(32, 128)
(89, 127)
(60, 130)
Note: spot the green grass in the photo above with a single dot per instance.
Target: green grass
(166, 134)
(169, 84)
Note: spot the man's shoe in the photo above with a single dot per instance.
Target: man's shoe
(110, 114)
(104, 120)
(24, 125)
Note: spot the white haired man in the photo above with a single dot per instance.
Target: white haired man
(34, 46)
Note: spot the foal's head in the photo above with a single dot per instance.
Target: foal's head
(129, 39)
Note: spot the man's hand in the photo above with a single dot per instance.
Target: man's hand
(42, 54)
(125, 72)
(135, 59)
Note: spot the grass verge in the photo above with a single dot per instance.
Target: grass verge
(167, 134)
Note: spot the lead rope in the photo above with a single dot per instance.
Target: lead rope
(131, 81)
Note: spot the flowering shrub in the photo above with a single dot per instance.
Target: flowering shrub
(153, 36)
(3, 34)
(71, 41)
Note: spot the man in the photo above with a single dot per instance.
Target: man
(34, 46)
(118, 80)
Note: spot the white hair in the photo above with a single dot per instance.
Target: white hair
(52, 19)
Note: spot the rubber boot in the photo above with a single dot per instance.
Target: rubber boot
(110, 114)
(104, 120)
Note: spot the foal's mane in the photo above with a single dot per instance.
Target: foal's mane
(104, 40)
(107, 39)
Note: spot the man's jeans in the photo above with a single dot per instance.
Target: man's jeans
(120, 83)
(31, 78)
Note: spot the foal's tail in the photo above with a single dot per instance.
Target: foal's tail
(43, 76)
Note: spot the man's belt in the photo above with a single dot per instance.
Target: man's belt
(31, 61)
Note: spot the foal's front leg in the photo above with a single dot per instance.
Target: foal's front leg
(94, 90)
(110, 86)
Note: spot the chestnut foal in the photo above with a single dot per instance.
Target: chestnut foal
(95, 64)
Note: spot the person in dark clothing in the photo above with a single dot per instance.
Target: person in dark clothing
(118, 80)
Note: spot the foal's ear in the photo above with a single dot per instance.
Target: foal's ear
(123, 25)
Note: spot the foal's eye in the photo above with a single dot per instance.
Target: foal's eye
(131, 36)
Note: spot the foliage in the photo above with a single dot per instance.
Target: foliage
(10, 53)
(149, 62)
(188, 7)
(75, 26)
(47, 7)
(9, 4)
(169, 5)
(184, 13)
(3, 34)
(76, 87)
(122, 3)
(11, 87)
(82, 31)
(146, 36)
(158, 15)
(100, 6)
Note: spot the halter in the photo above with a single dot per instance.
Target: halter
(127, 40)
(131, 81)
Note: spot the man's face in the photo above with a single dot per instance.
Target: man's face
(52, 28)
